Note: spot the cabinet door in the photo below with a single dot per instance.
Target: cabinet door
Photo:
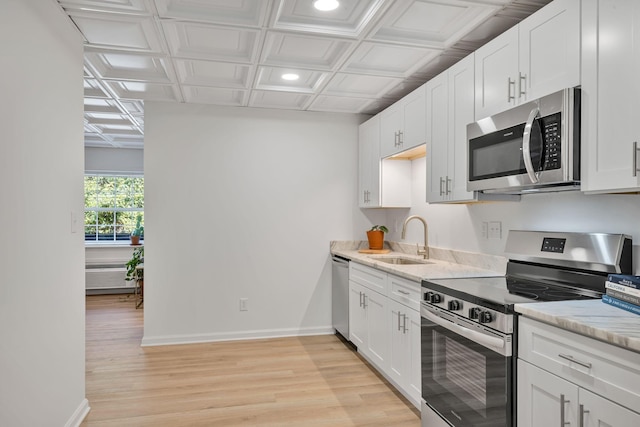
(414, 127)
(540, 397)
(377, 342)
(461, 113)
(357, 315)
(610, 88)
(369, 163)
(549, 53)
(598, 412)
(390, 126)
(399, 355)
(496, 65)
(437, 137)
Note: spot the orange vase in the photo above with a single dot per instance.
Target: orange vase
(376, 239)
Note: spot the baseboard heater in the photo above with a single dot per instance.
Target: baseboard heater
(106, 276)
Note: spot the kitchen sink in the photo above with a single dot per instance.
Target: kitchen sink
(401, 261)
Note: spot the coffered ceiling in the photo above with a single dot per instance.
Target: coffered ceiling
(358, 58)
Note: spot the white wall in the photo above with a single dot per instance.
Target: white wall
(459, 226)
(114, 160)
(41, 262)
(242, 203)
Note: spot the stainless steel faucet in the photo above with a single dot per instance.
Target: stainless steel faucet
(424, 251)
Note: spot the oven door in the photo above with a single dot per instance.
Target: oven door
(466, 370)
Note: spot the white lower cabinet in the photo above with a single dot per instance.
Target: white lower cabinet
(368, 322)
(386, 327)
(568, 379)
(404, 357)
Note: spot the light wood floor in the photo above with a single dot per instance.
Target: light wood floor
(305, 381)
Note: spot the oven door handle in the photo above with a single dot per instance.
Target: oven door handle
(526, 145)
(478, 337)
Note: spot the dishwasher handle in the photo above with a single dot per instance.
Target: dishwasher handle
(339, 261)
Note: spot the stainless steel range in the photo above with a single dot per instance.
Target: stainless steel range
(469, 328)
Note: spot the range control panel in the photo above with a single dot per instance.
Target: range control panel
(500, 321)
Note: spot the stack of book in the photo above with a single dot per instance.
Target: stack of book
(623, 291)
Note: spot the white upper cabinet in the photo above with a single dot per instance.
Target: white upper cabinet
(369, 163)
(496, 66)
(402, 125)
(539, 56)
(450, 108)
(610, 96)
(549, 53)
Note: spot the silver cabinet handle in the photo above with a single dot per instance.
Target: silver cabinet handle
(570, 358)
(447, 190)
(581, 415)
(509, 84)
(403, 292)
(404, 324)
(396, 141)
(364, 300)
(522, 83)
(563, 402)
(400, 138)
(399, 321)
(526, 145)
(635, 158)
(361, 300)
(441, 191)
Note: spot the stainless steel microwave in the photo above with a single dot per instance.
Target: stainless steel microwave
(532, 147)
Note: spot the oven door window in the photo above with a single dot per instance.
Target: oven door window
(465, 382)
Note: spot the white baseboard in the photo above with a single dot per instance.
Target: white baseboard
(79, 414)
(149, 341)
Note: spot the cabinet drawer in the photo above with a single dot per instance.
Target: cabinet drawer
(405, 291)
(369, 277)
(604, 369)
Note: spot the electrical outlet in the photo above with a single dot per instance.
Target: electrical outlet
(485, 230)
(244, 304)
(495, 230)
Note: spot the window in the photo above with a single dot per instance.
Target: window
(111, 205)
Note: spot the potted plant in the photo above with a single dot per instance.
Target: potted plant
(376, 236)
(134, 272)
(137, 231)
(137, 258)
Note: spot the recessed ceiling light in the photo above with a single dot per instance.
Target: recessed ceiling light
(326, 5)
(290, 76)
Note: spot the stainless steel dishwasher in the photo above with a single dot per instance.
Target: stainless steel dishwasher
(340, 295)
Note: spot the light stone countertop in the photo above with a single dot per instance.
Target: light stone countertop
(592, 318)
(443, 263)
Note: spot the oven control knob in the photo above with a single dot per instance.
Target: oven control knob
(474, 313)
(486, 317)
(428, 296)
(436, 298)
(455, 305)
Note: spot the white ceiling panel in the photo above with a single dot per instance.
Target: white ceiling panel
(360, 86)
(209, 73)
(92, 89)
(144, 90)
(292, 50)
(339, 104)
(434, 23)
(201, 41)
(216, 96)
(358, 58)
(350, 19)
(227, 12)
(270, 78)
(283, 100)
(118, 31)
(118, 65)
(390, 60)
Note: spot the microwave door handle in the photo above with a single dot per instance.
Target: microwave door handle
(526, 145)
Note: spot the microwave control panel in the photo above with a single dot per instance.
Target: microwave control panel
(551, 133)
